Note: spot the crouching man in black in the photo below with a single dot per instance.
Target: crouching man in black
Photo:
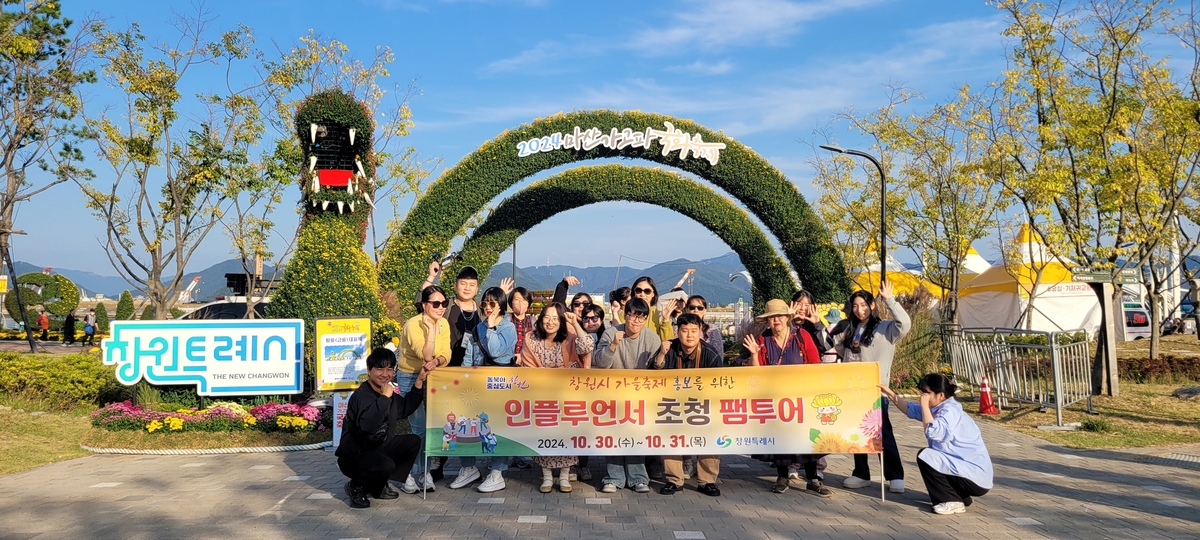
(370, 452)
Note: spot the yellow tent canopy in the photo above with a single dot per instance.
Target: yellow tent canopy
(1017, 277)
(902, 283)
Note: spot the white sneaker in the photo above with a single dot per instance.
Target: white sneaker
(854, 482)
(609, 488)
(947, 508)
(466, 475)
(896, 486)
(793, 472)
(410, 486)
(493, 482)
(427, 484)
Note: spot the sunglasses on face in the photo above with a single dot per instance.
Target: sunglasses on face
(436, 305)
(491, 303)
(580, 303)
(696, 307)
(591, 318)
(640, 290)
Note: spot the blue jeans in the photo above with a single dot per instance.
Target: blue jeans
(406, 381)
(498, 463)
(617, 466)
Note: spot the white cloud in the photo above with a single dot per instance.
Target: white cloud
(527, 59)
(706, 68)
(710, 24)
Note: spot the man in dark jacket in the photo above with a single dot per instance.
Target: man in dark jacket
(688, 351)
(370, 452)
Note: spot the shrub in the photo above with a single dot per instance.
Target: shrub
(1164, 369)
(64, 381)
(58, 294)
(102, 322)
(920, 351)
(125, 307)
(1098, 425)
(149, 314)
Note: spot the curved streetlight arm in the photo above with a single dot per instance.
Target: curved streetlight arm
(882, 205)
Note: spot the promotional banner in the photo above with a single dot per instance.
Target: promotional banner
(222, 358)
(804, 409)
(343, 344)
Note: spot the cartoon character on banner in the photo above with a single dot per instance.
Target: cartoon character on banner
(827, 408)
(474, 432)
(449, 434)
(486, 437)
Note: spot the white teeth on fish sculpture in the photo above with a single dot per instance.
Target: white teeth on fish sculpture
(367, 198)
(350, 187)
(340, 206)
(324, 205)
(351, 207)
(360, 167)
(312, 133)
(312, 163)
(352, 136)
(316, 185)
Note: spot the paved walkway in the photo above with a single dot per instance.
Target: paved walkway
(1042, 491)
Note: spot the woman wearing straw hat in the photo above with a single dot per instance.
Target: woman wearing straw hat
(784, 344)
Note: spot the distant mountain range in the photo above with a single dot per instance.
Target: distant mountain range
(212, 280)
(711, 279)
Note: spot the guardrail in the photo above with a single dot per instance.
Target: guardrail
(1024, 366)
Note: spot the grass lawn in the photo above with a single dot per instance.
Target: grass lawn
(1142, 415)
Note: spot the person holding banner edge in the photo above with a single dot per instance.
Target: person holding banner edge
(490, 344)
(864, 337)
(956, 466)
(369, 453)
(688, 351)
(426, 338)
(785, 344)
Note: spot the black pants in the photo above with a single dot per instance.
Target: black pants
(393, 459)
(893, 468)
(809, 461)
(946, 488)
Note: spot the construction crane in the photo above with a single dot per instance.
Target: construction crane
(185, 296)
(686, 277)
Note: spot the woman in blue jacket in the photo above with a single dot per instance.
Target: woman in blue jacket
(491, 344)
(956, 466)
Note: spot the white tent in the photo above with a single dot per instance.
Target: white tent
(1001, 295)
(974, 264)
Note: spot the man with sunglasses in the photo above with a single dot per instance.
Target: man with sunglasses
(627, 346)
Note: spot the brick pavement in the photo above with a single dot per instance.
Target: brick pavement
(1042, 491)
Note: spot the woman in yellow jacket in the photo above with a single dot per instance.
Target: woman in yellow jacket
(644, 288)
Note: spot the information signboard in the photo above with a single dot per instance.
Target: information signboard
(343, 344)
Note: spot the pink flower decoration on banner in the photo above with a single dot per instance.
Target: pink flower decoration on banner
(872, 424)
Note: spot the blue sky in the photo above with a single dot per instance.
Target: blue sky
(767, 72)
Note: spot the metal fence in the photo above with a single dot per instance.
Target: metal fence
(1047, 369)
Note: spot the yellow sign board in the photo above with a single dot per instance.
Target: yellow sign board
(342, 344)
(802, 409)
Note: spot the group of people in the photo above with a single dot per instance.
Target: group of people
(69, 327)
(498, 330)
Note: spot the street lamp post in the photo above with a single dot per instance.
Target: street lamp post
(882, 205)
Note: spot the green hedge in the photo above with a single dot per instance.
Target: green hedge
(599, 183)
(493, 168)
(102, 322)
(63, 380)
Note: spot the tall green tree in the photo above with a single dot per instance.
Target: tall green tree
(1095, 135)
(44, 61)
(102, 322)
(174, 162)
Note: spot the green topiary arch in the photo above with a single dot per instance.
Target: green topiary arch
(600, 183)
(565, 138)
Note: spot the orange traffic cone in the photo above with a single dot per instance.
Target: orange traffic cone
(986, 405)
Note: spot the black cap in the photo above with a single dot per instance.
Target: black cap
(467, 272)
